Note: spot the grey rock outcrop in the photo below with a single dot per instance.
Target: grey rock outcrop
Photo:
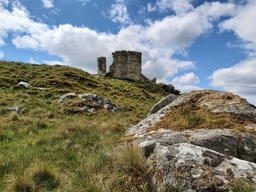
(24, 84)
(170, 89)
(14, 108)
(99, 101)
(214, 101)
(90, 102)
(66, 97)
(202, 159)
(186, 166)
(223, 141)
(162, 103)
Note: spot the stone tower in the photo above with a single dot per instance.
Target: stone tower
(126, 65)
(102, 65)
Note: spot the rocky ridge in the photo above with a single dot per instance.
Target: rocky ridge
(196, 157)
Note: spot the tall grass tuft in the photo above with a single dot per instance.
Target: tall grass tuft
(14, 116)
(20, 184)
(240, 186)
(129, 170)
(44, 178)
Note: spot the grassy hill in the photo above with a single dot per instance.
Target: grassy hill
(45, 147)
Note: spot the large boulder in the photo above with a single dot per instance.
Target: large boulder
(185, 166)
(170, 89)
(162, 103)
(87, 103)
(216, 146)
(215, 102)
(241, 145)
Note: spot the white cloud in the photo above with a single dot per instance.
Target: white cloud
(187, 78)
(186, 82)
(239, 79)
(118, 13)
(184, 88)
(17, 21)
(47, 3)
(32, 61)
(84, 1)
(53, 62)
(4, 2)
(1, 54)
(151, 8)
(80, 46)
(180, 6)
(243, 24)
(25, 42)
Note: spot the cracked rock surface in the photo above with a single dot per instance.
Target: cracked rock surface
(88, 102)
(201, 158)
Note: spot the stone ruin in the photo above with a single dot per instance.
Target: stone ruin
(102, 63)
(126, 65)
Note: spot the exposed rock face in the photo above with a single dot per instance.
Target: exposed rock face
(14, 108)
(24, 84)
(89, 102)
(200, 158)
(214, 101)
(241, 145)
(187, 166)
(170, 89)
(165, 101)
(127, 65)
(66, 97)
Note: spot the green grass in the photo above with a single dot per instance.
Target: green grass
(48, 147)
(44, 148)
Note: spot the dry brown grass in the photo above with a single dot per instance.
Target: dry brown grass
(14, 116)
(193, 117)
(129, 170)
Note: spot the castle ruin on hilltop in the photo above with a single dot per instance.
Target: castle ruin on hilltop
(126, 65)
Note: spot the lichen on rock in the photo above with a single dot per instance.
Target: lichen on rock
(203, 140)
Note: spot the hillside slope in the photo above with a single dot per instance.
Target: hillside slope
(44, 148)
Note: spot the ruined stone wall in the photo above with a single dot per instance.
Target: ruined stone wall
(102, 65)
(126, 65)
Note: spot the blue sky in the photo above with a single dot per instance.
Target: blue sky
(193, 44)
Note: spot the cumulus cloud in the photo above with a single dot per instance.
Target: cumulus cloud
(243, 24)
(32, 61)
(1, 54)
(187, 78)
(79, 46)
(187, 82)
(53, 62)
(17, 21)
(48, 3)
(239, 79)
(150, 7)
(118, 13)
(4, 2)
(179, 7)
